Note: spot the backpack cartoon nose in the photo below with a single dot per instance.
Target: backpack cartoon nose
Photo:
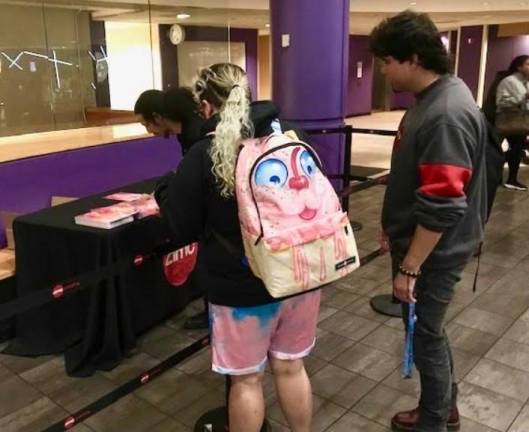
(298, 183)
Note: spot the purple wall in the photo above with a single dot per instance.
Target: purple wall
(470, 57)
(28, 184)
(359, 90)
(402, 100)
(501, 51)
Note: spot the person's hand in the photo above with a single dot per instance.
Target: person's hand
(384, 242)
(404, 288)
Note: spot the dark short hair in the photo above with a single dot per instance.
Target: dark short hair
(179, 104)
(517, 63)
(149, 103)
(409, 33)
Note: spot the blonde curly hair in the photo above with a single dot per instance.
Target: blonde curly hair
(225, 86)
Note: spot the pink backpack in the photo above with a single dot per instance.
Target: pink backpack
(296, 236)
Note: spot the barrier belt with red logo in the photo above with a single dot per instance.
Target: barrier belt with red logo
(59, 290)
(130, 386)
(147, 376)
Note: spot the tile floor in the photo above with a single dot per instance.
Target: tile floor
(354, 367)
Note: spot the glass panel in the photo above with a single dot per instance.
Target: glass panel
(69, 64)
(202, 54)
(25, 73)
(68, 41)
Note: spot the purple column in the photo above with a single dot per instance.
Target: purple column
(310, 76)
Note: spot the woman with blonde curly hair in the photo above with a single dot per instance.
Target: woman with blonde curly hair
(248, 326)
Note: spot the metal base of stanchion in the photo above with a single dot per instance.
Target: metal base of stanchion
(216, 420)
(356, 226)
(383, 304)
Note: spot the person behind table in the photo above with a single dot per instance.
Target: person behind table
(513, 92)
(174, 112)
(199, 202)
(435, 203)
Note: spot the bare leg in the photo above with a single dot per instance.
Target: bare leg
(294, 393)
(246, 403)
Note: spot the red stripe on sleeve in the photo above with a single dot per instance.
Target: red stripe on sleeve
(441, 180)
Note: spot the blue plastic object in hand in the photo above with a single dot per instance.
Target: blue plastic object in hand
(407, 366)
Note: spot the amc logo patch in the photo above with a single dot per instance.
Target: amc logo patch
(178, 265)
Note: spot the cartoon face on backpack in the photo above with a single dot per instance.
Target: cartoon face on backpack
(290, 188)
(282, 186)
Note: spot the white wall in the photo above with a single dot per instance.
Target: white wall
(133, 65)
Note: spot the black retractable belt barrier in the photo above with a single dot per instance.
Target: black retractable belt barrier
(130, 386)
(386, 304)
(59, 290)
(346, 177)
(151, 374)
(73, 285)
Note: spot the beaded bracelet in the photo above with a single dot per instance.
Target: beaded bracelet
(409, 273)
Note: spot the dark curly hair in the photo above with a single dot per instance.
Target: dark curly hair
(149, 103)
(517, 63)
(410, 33)
(179, 104)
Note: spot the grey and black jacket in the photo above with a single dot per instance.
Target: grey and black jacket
(438, 174)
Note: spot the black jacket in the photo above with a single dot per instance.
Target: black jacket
(191, 202)
(191, 132)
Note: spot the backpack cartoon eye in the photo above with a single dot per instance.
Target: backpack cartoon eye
(296, 235)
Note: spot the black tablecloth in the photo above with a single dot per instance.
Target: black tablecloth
(97, 326)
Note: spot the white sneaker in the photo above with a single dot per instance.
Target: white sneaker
(515, 186)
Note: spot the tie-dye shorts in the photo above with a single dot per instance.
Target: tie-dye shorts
(242, 338)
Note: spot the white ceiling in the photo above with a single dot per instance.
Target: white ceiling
(448, 14)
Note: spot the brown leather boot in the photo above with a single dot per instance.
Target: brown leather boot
(407, 420)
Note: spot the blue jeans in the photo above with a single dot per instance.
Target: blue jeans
(433, 357)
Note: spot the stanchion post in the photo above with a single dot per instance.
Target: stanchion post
(387, 304)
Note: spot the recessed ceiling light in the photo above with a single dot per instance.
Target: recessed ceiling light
(183, 16)
(413, 3)
(267, 25)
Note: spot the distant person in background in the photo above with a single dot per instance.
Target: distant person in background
(174, 112)
(513, 92)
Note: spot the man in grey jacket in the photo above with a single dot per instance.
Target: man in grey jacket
(513, 92)
(435, 203)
